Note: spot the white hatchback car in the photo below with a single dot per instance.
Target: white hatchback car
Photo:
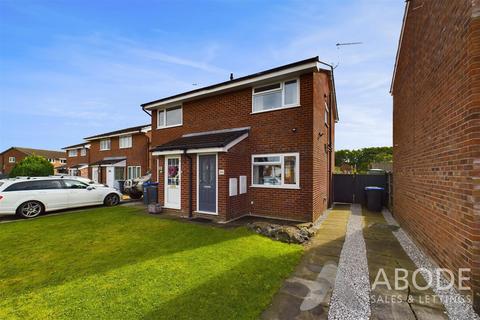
(30, 197)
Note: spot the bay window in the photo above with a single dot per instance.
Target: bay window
(276, 170)
(169, 117)
(276, 96)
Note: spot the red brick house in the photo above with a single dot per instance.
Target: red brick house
(256, 145)
(78, 159)
(436, 132)
(10, 157)
(119, 155)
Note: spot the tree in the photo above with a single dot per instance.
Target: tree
(32, 166)
(362, 158)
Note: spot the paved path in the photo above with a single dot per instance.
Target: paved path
(336, 277)
(306, 295)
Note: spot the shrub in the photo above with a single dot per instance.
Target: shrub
(32, 166)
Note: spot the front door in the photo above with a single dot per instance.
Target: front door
(110, 176)
(172, 182)
(95, 174)
(207, 183)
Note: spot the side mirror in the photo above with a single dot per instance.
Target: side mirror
(90, 188)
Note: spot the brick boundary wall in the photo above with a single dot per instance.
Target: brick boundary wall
(437, 133)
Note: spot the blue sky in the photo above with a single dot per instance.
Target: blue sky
(70, 69)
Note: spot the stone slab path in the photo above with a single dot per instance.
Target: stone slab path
(335, 278)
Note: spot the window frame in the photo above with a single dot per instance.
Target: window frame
(134, 168)
(282, 166)
(130, 145)
(83, 152)
(295, 104)
(109, 144)
(12, 159)
(164, 116)
(72, 153)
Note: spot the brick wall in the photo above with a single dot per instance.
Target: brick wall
(72, 161)
(279, 131)
(19, 156)
(436, 132)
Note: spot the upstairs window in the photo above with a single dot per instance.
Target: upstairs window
(63, 161)
(11, 160)
(83, 152)
(72, 153)
(125, 142)
(276, 96)
(170, 117)
(105, 144)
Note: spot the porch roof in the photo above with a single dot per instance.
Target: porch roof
(216, 141)
(79, 166)
(105, 162)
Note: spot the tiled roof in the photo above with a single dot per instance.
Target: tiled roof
(49, 154)
(118, 132)
(208, 140)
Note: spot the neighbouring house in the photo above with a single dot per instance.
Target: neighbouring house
(10, 157)
(436, 133)
(118, 155)
(383, 165)
(261, 145)
(78, 159)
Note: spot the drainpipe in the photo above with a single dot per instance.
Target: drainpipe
(149, 144)
(190, 184)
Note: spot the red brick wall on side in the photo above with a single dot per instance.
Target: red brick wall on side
(19, 156)
(436, 133)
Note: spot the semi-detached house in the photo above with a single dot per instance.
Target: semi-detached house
(258, 145)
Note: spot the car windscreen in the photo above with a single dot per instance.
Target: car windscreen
(35, 185)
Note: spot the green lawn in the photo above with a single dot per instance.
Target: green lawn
(119, 263)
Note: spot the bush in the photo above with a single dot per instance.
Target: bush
(32, 166)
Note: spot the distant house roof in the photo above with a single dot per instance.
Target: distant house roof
(218, 139)
(75, 146)
(136, 129)
(49, 154)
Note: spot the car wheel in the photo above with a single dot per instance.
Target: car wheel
(112, 200)
(30, 209)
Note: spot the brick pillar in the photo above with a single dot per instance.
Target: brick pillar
(474, 48)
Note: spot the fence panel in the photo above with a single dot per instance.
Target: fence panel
(350, 188)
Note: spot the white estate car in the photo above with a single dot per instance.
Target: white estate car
(30, 197)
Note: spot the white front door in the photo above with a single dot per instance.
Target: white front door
(95, 174)
(172, 182)
(110, 176)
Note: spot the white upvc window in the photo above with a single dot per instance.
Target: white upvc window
(280, 95)
(72, 153)
(63, 161)
(105, 144)
(11, 160)
(169, 117)
(125, 142)
(83, 152)
(134, 172)
(281, 170)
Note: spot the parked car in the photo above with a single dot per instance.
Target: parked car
(31, 197)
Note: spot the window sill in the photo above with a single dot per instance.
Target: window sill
(166, 127)
(104, 149)
(276, 109)
(275, 187)
(125, 148)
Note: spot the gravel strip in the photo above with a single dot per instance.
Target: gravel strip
(458, 308)
(351, 293)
